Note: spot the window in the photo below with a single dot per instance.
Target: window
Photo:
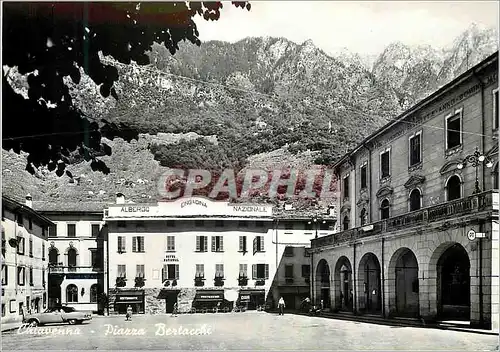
(139, 270)
(5, 275)
(454, 188)
(30, 224)
(364, 217)
(260, 271)
(384, 209)
(121, 271)
(415, 200)
(71, 230)
(199, 223)
(3, 310)
(171, 243)
(43, 278)
(94, 258)
(72, 294)
(258, 244)
(385, 164)
(324, 225)
(243, 244)
(170, 223)
(94, 293)
(288, 225)
(200, 270)
(306, 253)
(495, 177)
(12, 306)
(20, 276)
(72, 257)
(94, 228)
(243, 270)
(21, 309)
(219, 270)
(345, 223)
(346, 187)
(495, 109)
(31, 276)
(289, 271)
(4, 242)
(53, 254)
(31, 247)
(20, 245)
(121, 244)
(53, 231)
(364, 179)
(306, 270)
(201, 243)
(415, 149)
(44, 232)
(288, 251)
(217, 244)
(43, 251)
(219, 223)
(170, 272)
(138, 244)
(454, 130)
(20, 219)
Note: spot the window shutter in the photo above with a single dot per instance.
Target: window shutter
(261, 243)
(119, 243)
(241, 244)
(172, 243)
(255, 249)
(213, 243)
(177, 271)
(267, 271)
(134, 244)
(221, 243)
(221, 270)
(254, 271)
(164, 273)
(123, 243)
(198, 243)
(205, 243)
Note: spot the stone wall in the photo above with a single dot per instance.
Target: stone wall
(185, 299)
(153, 305)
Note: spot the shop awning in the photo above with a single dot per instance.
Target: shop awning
(125, 297)
(209, 295)
(244, 295)
(166, 293)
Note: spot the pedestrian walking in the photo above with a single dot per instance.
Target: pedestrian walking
(281, 306)
(174, 311)
(128, 316)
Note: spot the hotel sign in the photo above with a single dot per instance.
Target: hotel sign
(170, 258)
(250, 209)
(136, 209)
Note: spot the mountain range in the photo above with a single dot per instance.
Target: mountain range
(260, 102)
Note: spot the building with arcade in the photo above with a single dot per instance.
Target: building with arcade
(418, 210)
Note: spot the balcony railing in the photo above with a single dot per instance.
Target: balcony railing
(59, 269)
(449, 210)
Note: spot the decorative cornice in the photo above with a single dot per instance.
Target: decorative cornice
(449, 166)
(414, 180)
(384, 191)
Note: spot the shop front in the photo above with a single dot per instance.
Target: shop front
(208, 299)
(251, 299)
(134, 298)
(170, 296)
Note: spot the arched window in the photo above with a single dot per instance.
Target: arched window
(53, 254)
(345, 223)
(495, 177)
(363, 216)
(72, 257)
(454, 188)
(415, 200)
(72, 294)
(384, 209)
(94, 292)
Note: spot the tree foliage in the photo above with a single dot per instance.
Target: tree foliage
(51, 41)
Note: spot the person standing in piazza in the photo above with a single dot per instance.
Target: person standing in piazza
(128, 316)
(281, 306)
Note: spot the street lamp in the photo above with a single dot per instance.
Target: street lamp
(316, 221)
(475, 160)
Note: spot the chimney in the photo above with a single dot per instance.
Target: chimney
(120, 198)
(29, 201)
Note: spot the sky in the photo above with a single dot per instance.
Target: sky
(362, 27)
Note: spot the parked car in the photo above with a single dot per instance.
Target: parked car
(58, 315)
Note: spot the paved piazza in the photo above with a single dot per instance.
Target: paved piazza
(248, 331)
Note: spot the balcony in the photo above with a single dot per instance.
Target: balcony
(60, 269)
(482, 202)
